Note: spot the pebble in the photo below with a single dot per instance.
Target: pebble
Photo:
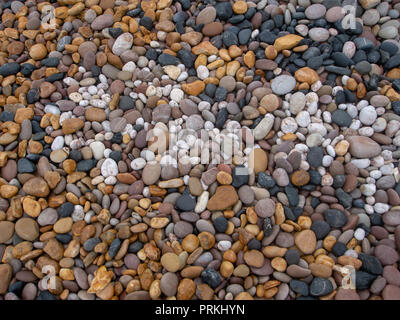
(363, 147)
(106, 133)
(27, 229)
(320, 287)
(224, 197)
(265, 208)
(283, 84)
(306, 241)
(335, 218)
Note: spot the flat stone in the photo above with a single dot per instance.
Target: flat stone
(265, 208)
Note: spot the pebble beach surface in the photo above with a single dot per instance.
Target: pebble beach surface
(108, 192)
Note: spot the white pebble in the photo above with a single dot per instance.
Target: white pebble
(109, 168)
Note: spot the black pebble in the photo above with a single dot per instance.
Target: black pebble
(315, 177)
(315, 62)
(229, 38)
(116, 156)
(115, 32)
(114, 247)
(16, 288)
(185, 4)
(10, 68)
(267, 36)
(135, 247)
(254, 244)
(152, 54)
(341, 59)
(389, 47)
(376, 219)
(224, 10)
(75, 155)
(64, 238)
(6, 116)
(117, 138)
(222, 116)
(364, 280)
(91, 243)
(339, 180)
(126, 103)
(187, 58)
(33, 95)
(55, 77)
(344, 198)
(45, 295)
(210, 90)
(85, 165)
(289, 213)
(244, 36)
(292, 195)
(341, 117)
(27, 69)
(166, 59)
